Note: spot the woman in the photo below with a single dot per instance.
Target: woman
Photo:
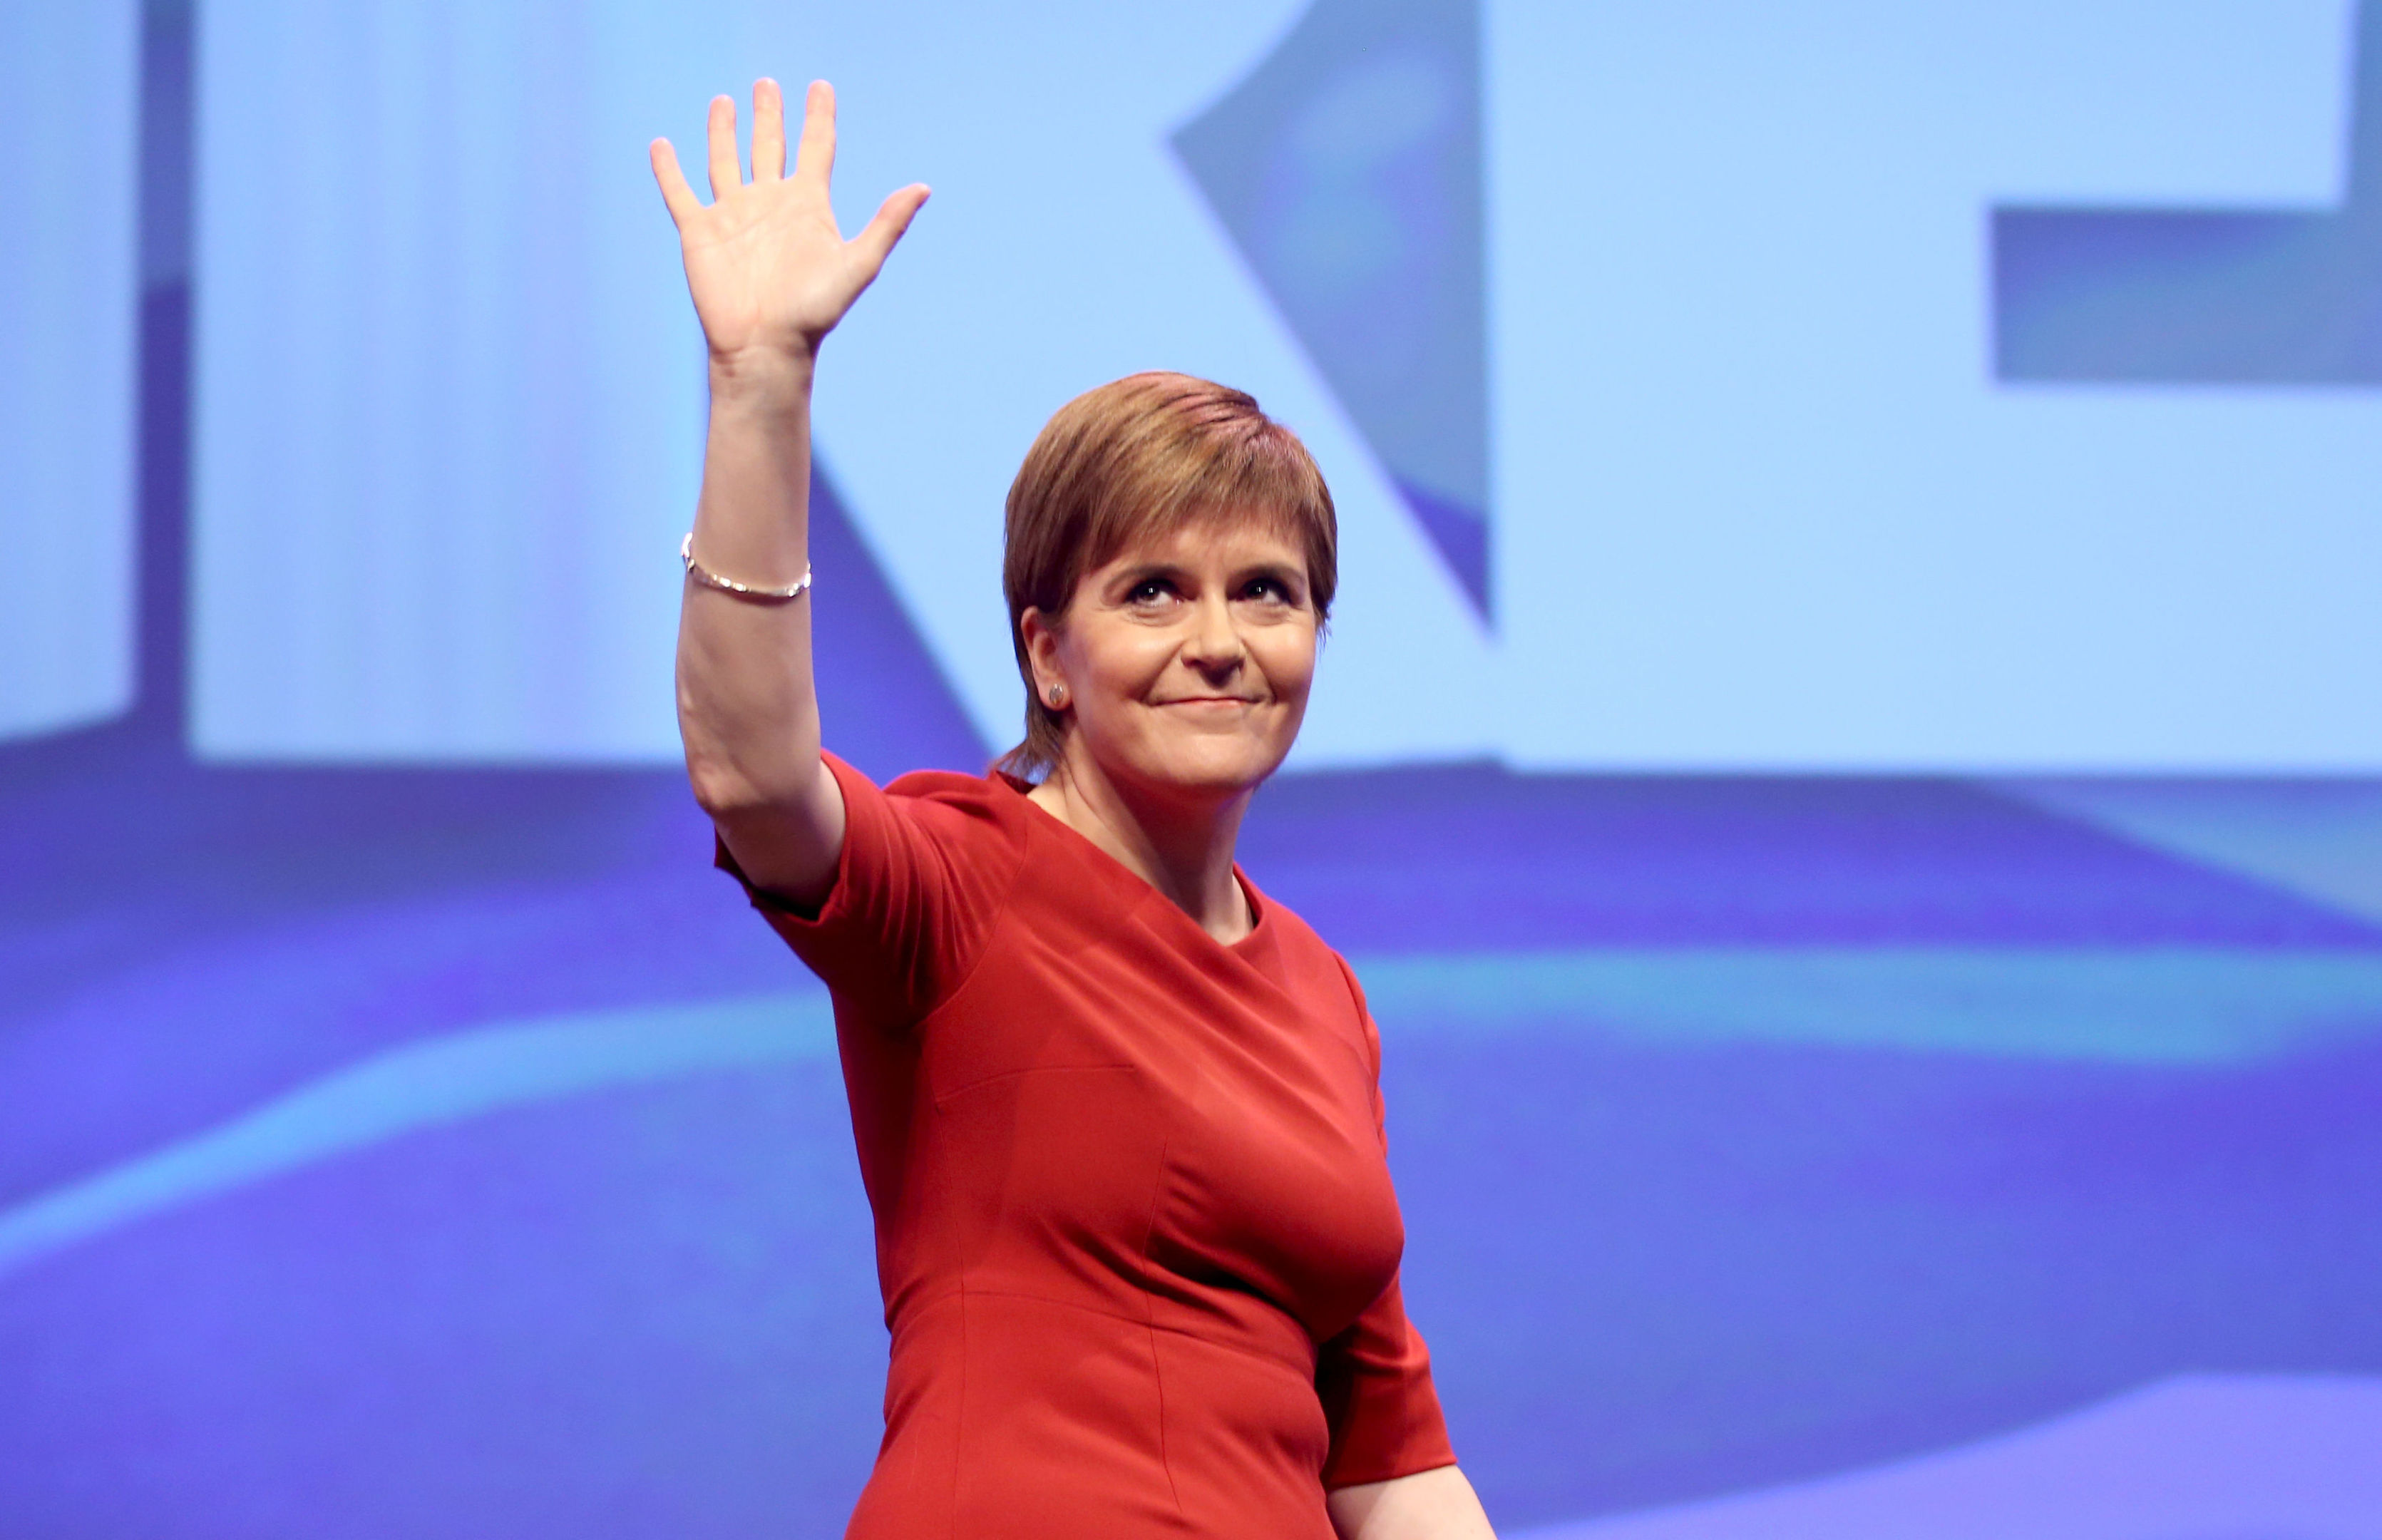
(1117, 1113)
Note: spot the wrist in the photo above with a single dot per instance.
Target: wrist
(762, 374)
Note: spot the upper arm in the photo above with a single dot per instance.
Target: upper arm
(907, 901)
(1438, 1504)
(788, 849)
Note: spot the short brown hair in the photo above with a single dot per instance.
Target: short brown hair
(1139, 457)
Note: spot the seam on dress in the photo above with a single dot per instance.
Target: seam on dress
(1371, 1031)
(1252, 1354)
(959, 1419)
(966, 1292)
(1149, 1324)
(942, 1098)
(1000, 913)
(975, 1291)
(1365, 1024)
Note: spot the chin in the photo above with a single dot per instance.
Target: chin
(1213, 769)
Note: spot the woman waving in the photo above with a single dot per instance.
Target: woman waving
(1118, 1113)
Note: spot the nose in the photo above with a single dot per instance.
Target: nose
(1214, 646)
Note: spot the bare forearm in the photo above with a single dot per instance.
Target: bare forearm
(751, 520)
(1428, 1505)
(748, 711)
(769, 274)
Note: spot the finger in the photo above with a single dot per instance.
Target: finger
(726, 177)
(815, 156)
(683, 203)
(893, 216)
(769, 131)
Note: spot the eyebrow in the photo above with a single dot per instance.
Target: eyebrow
(1131, 576)
(1291, 572)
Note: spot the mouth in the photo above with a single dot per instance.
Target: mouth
(1211, 700)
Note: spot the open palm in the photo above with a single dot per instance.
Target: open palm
(769, 271)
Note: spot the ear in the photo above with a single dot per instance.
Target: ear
(1042, 640)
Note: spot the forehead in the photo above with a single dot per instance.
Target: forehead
(1220, 537)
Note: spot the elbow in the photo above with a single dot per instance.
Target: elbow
(719, 790)
(730, 791)
(744, 762)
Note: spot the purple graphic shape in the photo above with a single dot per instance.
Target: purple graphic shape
(2201, 1457)
(646, 1311)
(1652, 1275)
(1464, 857)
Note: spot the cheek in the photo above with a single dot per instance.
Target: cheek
(1288, 658)
(1122, 662)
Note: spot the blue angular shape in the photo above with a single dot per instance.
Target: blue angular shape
(1346, 167)
(884, 704)
(1459, 531)
(2192, 297)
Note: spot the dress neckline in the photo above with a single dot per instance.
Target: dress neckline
(1147, 891)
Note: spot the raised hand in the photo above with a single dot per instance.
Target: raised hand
(770, 272)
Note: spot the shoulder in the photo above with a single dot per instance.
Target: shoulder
(982, 796)
(932, 834)
(1314, 968)
(953, 786)
(1292, 934)
(942, 804)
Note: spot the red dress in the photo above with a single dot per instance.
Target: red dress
(1135, 1227)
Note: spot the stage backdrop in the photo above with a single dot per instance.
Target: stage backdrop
(1847, 760)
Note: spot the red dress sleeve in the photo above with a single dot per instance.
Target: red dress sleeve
(1374, 1379)
(925, 866)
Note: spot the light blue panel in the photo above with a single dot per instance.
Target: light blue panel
(1760, 499)
(449, 387)
(68, 113)
(450, 380)
(2137, 1005)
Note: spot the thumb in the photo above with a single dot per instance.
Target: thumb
(876, 242)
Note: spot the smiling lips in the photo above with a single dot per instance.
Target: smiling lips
(1211, 700)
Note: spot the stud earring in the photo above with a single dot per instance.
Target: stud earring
(1058, 696)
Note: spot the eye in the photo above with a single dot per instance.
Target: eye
(1270, 589)
(1150, 590)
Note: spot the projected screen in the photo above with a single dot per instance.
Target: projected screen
(404, 1131)
(1847, 385)
(66, 298)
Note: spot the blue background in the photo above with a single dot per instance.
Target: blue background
(1947, 1100)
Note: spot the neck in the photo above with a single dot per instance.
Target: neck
(1180, 845)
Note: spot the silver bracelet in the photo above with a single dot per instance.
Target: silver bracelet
(696, 571)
